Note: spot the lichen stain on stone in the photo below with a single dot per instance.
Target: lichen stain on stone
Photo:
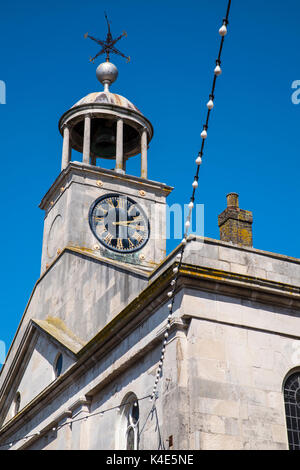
(246, 236)
(84, 249)
(60, 325)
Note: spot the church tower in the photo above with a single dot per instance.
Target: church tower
(107, 213)
(104, 234)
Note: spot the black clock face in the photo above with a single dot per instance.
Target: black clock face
(119, 223)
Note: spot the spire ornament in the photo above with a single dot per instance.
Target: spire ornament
(108, 45)
(107, 73)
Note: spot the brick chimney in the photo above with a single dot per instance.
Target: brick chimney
(235, 223)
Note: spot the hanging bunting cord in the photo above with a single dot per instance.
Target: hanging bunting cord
(171, 295)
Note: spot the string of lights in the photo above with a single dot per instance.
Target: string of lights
(69, 422)
(171, 294)
(179, 258)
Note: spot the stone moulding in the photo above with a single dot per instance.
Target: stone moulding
(62, 180)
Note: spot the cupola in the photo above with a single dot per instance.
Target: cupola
(106, 125)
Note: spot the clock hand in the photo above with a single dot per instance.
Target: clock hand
(124, 222)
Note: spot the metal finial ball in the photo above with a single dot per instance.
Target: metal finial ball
(107, 73)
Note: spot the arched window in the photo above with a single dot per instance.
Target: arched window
(17, 403)
(292, 410)
(132, 426)
(128, 432)
(58, 365)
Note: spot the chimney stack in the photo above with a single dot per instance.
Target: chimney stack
(235, 223)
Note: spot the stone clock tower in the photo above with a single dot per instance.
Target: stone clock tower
(105, 212)
(97, 338)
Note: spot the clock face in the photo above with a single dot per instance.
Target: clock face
(119, 223)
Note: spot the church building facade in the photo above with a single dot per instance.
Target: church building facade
(81, 369)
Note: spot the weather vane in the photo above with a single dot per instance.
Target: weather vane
(108, 44)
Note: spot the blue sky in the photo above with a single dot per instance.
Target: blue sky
(253, 144)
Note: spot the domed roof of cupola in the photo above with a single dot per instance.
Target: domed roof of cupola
(108, 98)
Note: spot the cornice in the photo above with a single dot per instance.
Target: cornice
(144, 184)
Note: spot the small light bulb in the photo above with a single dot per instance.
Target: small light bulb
(191, 205)
(210, 104)
(199, 161)
(188, 223)
(195, 184)
(204, 134)
(169, 318)
(166, 334)
(184, 242)
(178, 258)
(218, 70)
(223, 30)
(170, 306)
(170, 294)
(175, 270)
(173, 282)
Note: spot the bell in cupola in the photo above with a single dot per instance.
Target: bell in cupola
(103, 138)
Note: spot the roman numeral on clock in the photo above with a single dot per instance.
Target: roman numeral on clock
(130, 244)
(137, 236)
(120, 244)
(101, 229)
(121, 203)
(108, 238)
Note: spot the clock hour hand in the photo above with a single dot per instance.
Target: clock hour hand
(124, 222)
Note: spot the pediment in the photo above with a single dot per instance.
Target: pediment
(33, 367)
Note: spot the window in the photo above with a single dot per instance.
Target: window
(128, 432)
(132, 427)
(292, 410)
(17, 402)
(58, 365)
